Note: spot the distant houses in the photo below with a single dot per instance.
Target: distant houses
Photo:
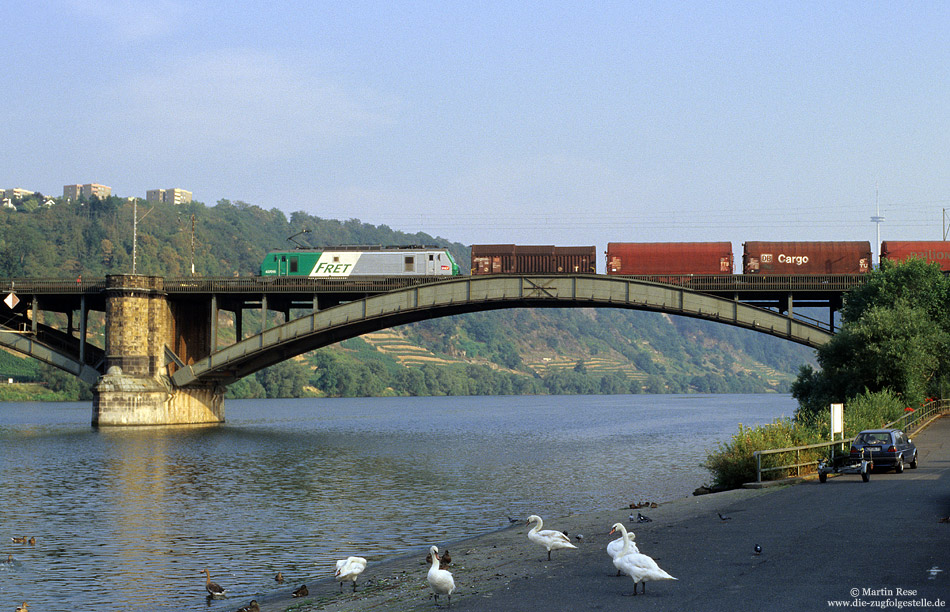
(11, 198)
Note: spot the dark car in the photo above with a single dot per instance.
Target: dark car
(887, 448)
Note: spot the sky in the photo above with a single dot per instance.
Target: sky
(568, 123)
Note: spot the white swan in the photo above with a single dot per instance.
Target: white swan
(550, 539)
(349, 569)
(615, 547)
(440, 580)
(641, 568)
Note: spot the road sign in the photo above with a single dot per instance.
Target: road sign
(11, 300)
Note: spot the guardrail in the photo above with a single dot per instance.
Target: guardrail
(910, 423)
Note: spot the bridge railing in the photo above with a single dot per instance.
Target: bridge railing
(910, 423)
(226, 284)
(295, 284)
(52, 285)
(757, 282)
(709, 283)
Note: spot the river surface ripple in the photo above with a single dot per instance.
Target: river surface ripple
(126, 519)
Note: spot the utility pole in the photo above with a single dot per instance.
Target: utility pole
(192, 244)
(135, 229)
(878, 219)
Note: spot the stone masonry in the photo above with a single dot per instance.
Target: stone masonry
(136, 389)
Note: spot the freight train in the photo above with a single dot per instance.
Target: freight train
(623, 258)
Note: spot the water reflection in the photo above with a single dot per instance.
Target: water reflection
(126, 519)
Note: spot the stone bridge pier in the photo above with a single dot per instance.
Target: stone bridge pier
(142, 327)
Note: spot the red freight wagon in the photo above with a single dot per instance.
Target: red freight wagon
(532, 259)
(669, 258)
(806, 257)
(575, 260)
(493, 259)
(931, 251)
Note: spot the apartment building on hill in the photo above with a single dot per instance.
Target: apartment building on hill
(74, 192)
(168, 196)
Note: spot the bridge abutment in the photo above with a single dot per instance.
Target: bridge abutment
(136, 389)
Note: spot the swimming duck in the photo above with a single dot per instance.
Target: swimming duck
(279, 578)
(214, 589)
(251, 607)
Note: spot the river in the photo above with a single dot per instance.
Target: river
(127, 519)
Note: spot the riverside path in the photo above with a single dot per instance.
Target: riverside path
(841, 544)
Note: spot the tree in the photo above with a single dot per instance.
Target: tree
(913, 281)
(896, 347)
(895, 336)
(285, 379)
(62, 382)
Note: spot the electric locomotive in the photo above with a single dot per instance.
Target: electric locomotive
(361, 260)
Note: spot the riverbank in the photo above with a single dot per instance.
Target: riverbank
(486, 564)
(807, 533)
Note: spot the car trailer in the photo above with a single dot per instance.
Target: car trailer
(846, 465)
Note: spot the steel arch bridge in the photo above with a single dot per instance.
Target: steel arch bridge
(472, 294)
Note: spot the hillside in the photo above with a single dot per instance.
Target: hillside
(502, 352)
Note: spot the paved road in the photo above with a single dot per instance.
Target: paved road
(819, 543)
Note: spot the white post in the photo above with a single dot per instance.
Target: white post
(837, 421)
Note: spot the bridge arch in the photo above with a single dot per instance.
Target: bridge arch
(473, 294)
(33, 345)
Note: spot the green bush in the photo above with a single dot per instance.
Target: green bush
(733, 464)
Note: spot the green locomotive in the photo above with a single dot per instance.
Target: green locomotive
(347, 261)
